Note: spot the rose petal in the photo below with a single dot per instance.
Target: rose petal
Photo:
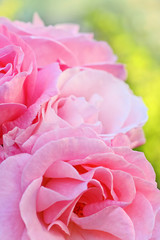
(138, 159)
(28, 211)
(11, 224)
(138, 113)
(93, 51)
(51, 51)
(25, 235)
(71, 28)
(59, 190)
(62, 170)
(63, 149)
(123, 185)
(136, 137)
(61, 225)
(37, 20)
(46, 198)
(61, 133)
(156, 230)
(10, 111)
(118, 70)
(98, 206)
(82, 234)
(150, 191)
(141, 214)
(112, 220)
(12, 91)
(46, 82)
(77, 111)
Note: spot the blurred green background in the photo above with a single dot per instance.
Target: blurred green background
(131, 27)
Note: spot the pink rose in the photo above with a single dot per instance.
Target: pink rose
(87, 98)
(64, 43)
(98, 100)
(75, 187)
(22, 88)
(106, 106)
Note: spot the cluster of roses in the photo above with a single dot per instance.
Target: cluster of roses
(68, 123)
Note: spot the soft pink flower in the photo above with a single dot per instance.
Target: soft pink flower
(74, 187)
(97, 99)
(65, 44)
(87, 98)
(22, 89)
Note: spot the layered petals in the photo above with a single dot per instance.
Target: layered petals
(76, 187)
(65, 44)
(22, 88)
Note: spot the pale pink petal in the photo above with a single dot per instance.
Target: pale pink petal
(46, 82)
(45, 134)
(14, 139)
(71, 28)
(55, 211)
(67, 213)
(98, 206)
(112, 220)
(37, 28)
(37, 20)
(111, 161)
(82, 234)
(47, 197)
(70, 113)
(64, 149)
(138, 114)
(61, 169)
(150, 191)
(12, 55)
(105, 177)
(24, 120)
(51, 51)
(141, 214)
(60, 224)
(35, 229)
(89, 51)
(108, 160)
(68, 187)
(3, 40)
(25, 235)
(59, 190)
(124, 187)
(138, 159)
(136, 137)
(9, 145)
(120, 140)
(11, 224)
(118, 70)
(156, 230)
(13, 91)
(77, 111)
(66, 76)
(63, 133)
(8, 24)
